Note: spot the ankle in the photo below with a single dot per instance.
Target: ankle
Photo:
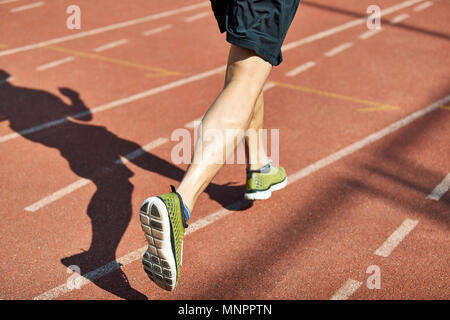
(187, 201)
(258, 165)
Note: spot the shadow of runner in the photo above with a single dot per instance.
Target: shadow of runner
(91, 152)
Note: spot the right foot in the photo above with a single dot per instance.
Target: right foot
(261, 182)
(163, 222)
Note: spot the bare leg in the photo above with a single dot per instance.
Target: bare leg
(234, 109)
(256, 155)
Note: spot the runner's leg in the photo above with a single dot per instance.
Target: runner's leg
(234, 109)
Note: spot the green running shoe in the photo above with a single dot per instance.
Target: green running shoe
(163, 221)
(261, 182)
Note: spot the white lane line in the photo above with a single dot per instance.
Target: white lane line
(83, 182)
(192, 124)
(306, 171)
(322, 35)
(440, 189)
(114, 104)
(338, 49)
(201, 223)
(93, 275)
(28, 6)
(156, 30)
(9, 79)
(300, 69)
(106, 28)
(141, 151)
(399, 18)
(58, 195)
(346, 26)
(287, 47)
(7, 1)
(54, 63)
(396, 237)
(347, 289)
(423, 6)
(367, 140)
(134, 255)
(110, 45)
(197, 16)
(269, 85)
(370, 33)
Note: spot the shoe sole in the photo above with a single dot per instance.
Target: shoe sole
(159, 259)
(266, 194)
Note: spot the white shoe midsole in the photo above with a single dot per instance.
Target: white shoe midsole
(266, 194)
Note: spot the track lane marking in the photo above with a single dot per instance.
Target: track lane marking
(289, 46)
(366, 141)
(396, 237)
(156, 30)
(83, 182)
(115, 26)
(7, 1)
(156, 72)
(399, 18)
(58, 195)
(114, 104)
(338, 49)
(440, 189)
(111, 45)
(141, 151)
(198, 16)
(374, 105)
(345, 26)
(134, 255)
(211, 218)
(269, 85)
(348, 288)
(370, 33)
(423, 6)
(300, 69)
(292, 45)
(9, 79)
(191, 124)
(27, 6)
(54, 63)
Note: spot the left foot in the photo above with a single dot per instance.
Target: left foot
(163, 222)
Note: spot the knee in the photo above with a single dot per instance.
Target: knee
(248, 69)
(244, 81)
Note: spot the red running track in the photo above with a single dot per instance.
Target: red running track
(359, 191)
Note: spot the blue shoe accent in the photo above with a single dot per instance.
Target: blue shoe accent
(187, 213)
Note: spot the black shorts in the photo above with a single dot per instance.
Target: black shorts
(258, 25)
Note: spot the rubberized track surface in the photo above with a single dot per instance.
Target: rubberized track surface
(364, 133)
